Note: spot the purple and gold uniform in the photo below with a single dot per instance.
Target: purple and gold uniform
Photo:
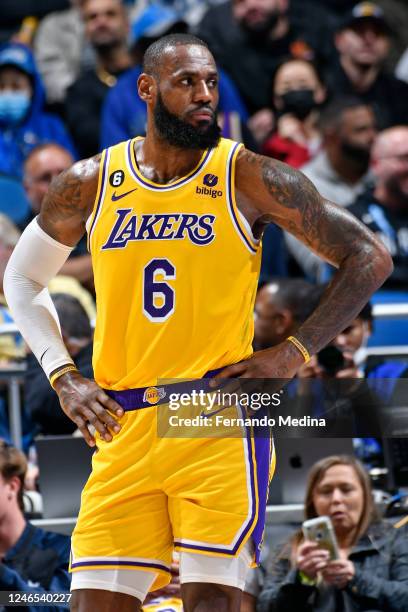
(176, 270)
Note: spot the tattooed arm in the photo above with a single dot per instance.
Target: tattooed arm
(65, 210)
(270, 191)
(38, 256)
(69, 202)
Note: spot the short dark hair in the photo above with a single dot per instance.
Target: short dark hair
(74, 320)
(332, 114)
(154, 53)
(367, 313)
(292, 293)
(43, 146)
(290, 59)
(13, 463)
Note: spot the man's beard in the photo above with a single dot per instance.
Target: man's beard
(359, 155)
(106, 44)
(263, 28)
(398, 193)
(181, 134)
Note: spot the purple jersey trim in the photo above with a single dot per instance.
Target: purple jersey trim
(182, 181)
(100, 198)
(230, 204)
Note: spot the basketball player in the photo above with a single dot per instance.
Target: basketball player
(174, 223)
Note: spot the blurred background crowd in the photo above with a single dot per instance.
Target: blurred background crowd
(319, 84)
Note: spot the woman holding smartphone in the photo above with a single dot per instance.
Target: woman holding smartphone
(371, 571)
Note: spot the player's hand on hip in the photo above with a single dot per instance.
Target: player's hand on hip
(85, 403)
(280, 362)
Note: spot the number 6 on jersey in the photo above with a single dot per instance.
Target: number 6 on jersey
(158, 296)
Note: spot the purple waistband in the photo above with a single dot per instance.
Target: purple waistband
(145, 397)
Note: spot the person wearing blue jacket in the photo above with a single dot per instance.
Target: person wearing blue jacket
(33, 562)
(23, 121)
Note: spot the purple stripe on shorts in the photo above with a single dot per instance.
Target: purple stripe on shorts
(232, 551)
(263, 459)
(135, 399)
(263, 447)
(157, 566)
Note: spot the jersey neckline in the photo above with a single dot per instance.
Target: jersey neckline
(158, 186)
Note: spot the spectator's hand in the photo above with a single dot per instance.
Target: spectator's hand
(338, 573)
(305, 373)
(290, 127)
(311, 559)
(261, 124)
(87, 404)
(350, 369)
(311, 369)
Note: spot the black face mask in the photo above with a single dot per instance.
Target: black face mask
(299, 102)
(357, 154)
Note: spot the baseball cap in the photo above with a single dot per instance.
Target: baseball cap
(15, 54)
(365, 11)
(155, 21)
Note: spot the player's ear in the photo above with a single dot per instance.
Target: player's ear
(146, 86)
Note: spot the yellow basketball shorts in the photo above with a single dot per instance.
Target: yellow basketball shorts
(148, 495)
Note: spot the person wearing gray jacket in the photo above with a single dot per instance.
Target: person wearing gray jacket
(371, 574)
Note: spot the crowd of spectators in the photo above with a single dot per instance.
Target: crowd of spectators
(319, 84)
(310, 83)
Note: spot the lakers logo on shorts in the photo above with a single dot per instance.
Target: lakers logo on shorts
(153, 394)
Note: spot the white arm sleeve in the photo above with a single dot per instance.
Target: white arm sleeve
(36, 259)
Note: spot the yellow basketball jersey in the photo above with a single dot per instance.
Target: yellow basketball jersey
(176, 270)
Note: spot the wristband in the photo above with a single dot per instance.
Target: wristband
(302, 349)
(68, 368)
(306, 580)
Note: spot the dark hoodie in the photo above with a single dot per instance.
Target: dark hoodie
(392, 228)
(37, 127)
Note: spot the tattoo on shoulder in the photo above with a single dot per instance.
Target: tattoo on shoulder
(289, 187)
(250, 157)
(299, 208)
(71, 193)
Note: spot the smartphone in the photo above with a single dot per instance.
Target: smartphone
(331, 359)
(320, 530)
